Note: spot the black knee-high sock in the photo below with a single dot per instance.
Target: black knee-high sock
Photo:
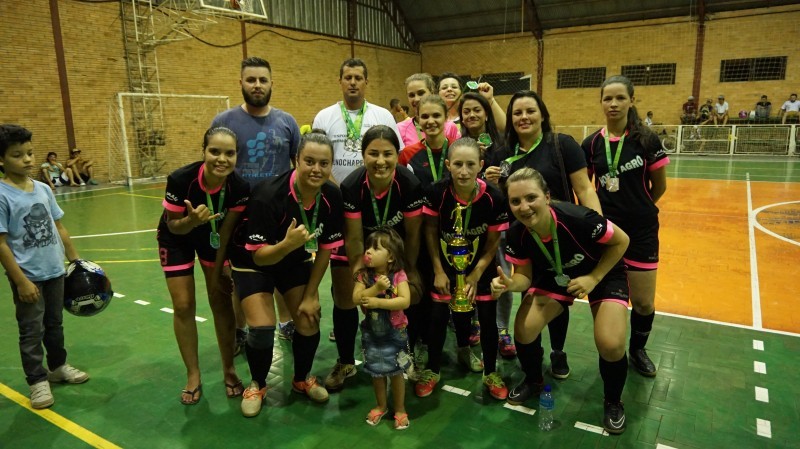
(558, 330)
(304, 348)
(412, 313)
(440, 313)
(530, 359)
(424, 317)
(614, 375)
(641, 325)
(259, 356)
(487, 316)
(463, 324)
(345, 326)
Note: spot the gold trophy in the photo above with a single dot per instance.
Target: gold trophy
(459, 253)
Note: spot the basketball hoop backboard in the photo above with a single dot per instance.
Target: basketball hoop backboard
(239, 8)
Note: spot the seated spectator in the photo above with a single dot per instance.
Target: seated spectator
(721, 111)
(82, 169)
(397, 111)
(689, 116)
(54, 174)
(763, 109)
(705, 112)
(649, 119)
(790, 108)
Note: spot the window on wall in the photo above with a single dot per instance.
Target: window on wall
(578, 78)
(753, 69)
(650, 74)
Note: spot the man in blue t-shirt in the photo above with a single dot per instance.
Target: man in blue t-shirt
(267, 136)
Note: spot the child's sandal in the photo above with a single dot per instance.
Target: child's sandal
(401, 421)
(375, 415)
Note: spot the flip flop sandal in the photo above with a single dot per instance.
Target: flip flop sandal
(237, 389)
(401, 421)
(375, 415)
(197, 391)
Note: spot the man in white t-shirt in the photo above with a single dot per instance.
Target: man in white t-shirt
(790, 108)
(721, 111)
(347, 120)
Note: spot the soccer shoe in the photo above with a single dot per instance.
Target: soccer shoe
(311, 388)
(524, 391)
(641, 362)
(614, 417)
(253, 399)
(41, 396)
(475, 333)
(469, 360)
(286, 330)
(341, 371)
(497, 388)
(506, 345)
(67, 374)
(427, 383)
(559, 368)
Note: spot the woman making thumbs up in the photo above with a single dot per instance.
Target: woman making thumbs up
(201, 199)
(562, 251)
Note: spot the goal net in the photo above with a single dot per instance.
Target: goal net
(150, 135)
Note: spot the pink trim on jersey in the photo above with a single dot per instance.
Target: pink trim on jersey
(642, 265)
(609, 233)
(616, 300)
(334, 245)
(172, 207)
(202, 186)
(292, 180)
(499, 227)
(413, 213)
(238, 208)
(658, 164)
(549, 294)
(550, 237)
(178, 267)
(611, 139)
(385, 192)
(353, 215)
(428, 211)
(481, 191)
(438, 297)
(206, 263)
(251, 247)
(516, 261)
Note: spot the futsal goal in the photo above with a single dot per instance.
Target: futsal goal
(150, 135)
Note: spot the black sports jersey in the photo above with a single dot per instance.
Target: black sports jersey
(415, 157)
(273, 205)
(544, 159)
(407, 199)
(581, 235)
(635, 164)
(489, 213)
(186, 183)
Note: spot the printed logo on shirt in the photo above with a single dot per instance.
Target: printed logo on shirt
(416, 204)
(597, 230)
(335, 236)
(446, 236)
(630, 165)
(171, 197)
(348, 162)
(38, 228)
(257, 238)
(392, 222)
(349, 206)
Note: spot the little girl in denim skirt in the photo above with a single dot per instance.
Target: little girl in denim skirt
(382, 291)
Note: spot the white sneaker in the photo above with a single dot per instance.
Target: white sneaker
(253, 399)
(67, 374)
(41, 396)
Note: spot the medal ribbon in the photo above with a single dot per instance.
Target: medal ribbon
(557, 264)
(313, 227)
(378, 219)
(437, 173)
(612, 166)
(210, 205)
(517, 156)
(353, 128)
(419, 130)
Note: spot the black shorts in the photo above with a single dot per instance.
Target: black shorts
(339, 257)
(177, 253)
(613, 287)
(267, 279)
(484, 287)
(642, 252)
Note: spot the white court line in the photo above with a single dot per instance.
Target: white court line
(166, 309)
(118, 295)
(762, 394)
(590, 428)
(111, 234)
(758, 345)
(520, 408)
(763, 428)
(759, 367)
(755, 291)
(767, 231)
(144, 303)
(663, 446)
(455, 390)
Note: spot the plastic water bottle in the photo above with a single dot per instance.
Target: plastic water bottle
(546, 406)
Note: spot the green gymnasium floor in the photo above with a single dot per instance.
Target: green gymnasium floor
(715, 380)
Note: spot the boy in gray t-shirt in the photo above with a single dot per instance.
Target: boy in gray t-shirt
(33, 243)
